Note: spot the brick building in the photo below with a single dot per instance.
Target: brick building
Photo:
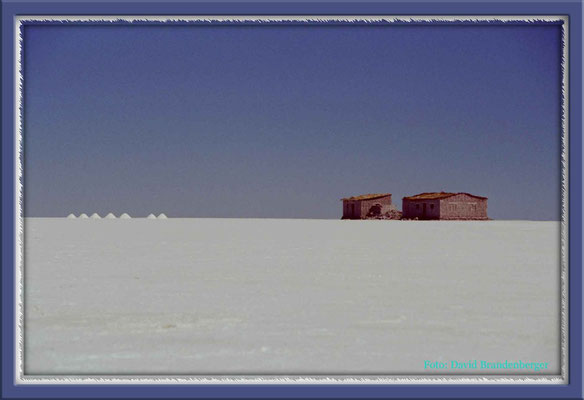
(442, 205)
(367, 205)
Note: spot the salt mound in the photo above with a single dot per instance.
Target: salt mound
(162, 216)
(71, 216)
(125, 216)
(110, 216)
(151, 216)
(95, 216)
(83, 216)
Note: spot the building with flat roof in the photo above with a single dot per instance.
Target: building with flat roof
(443, 205)
(366, 205)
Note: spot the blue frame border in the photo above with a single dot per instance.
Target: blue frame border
(573, 390)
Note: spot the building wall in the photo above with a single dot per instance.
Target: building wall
(351, 213)
(367, 204)
(463, 206)
(362, 207)
(415, 209)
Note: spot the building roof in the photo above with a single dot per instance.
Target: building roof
(370, 196)
(438, 196)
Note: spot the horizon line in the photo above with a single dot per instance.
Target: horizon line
(296, 218)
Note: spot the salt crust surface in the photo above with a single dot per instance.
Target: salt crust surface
(228, 296)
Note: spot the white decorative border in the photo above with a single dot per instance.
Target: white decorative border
(21, 378)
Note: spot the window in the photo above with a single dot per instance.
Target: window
(417, 206)
(431, 206)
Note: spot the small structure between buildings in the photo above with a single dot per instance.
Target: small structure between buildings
(445, 206)
(370, 206)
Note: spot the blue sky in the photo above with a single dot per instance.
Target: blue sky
(283, 121)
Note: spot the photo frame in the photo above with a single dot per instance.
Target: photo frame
(16, 385)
